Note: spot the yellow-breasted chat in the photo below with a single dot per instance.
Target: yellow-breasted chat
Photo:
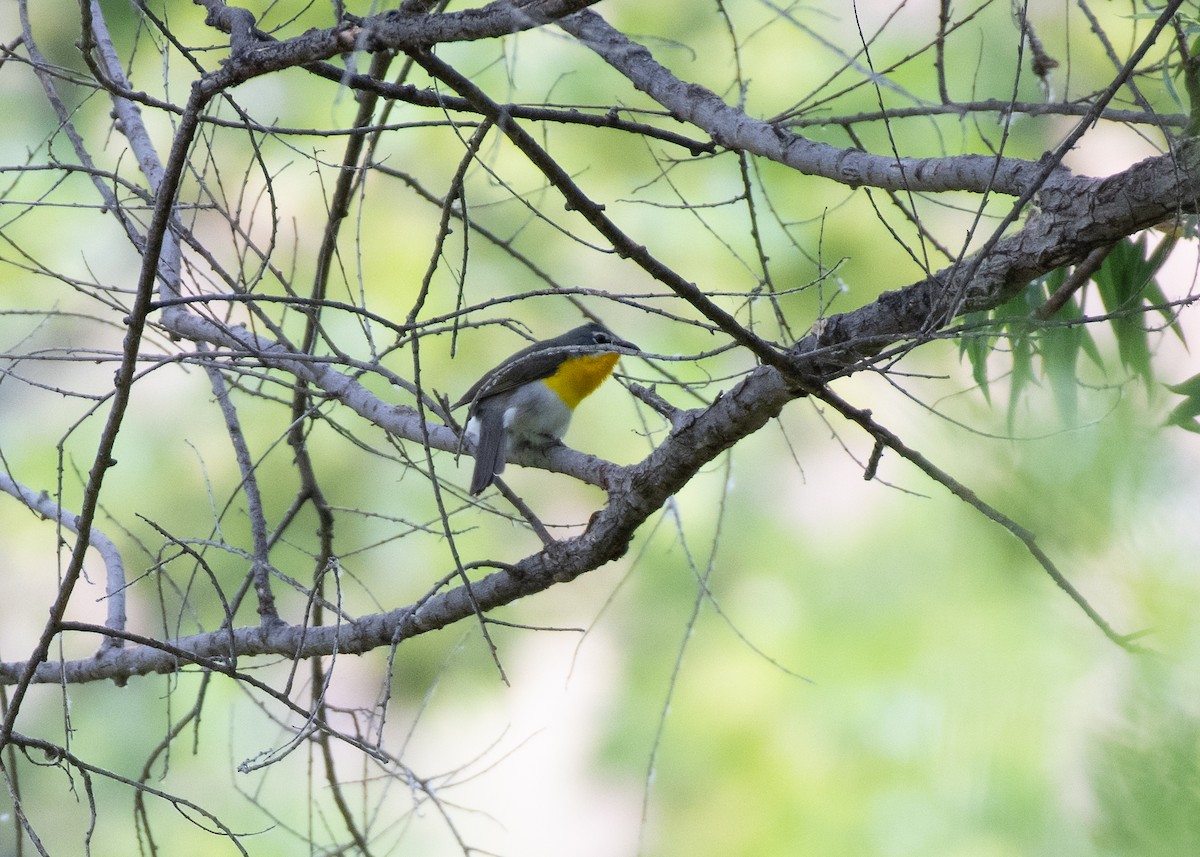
(529, 398)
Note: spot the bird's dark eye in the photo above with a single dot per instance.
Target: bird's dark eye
(601, 338)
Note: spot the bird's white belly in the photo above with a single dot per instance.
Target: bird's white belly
(536, 412)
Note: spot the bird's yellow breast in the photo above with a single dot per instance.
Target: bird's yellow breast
(578, 377)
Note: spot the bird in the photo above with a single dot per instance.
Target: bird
(529, 398)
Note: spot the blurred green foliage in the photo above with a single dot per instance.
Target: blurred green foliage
(790, 660)
(1146, 771)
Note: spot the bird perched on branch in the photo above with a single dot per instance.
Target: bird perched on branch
(529, 398)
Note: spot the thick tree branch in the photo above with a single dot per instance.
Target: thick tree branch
(734, 129)
(396, 30)
(1073, 220)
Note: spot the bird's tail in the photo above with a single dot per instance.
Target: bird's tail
(489, 451)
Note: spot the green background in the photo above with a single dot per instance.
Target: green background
(790, 659)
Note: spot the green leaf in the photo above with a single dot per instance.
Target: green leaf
(1022, 373)
(1185, 413)
(1154, 295)
(1191, 83)
(1017, 308)
(1190, 425)
(976, 344)
(1121, 282)
(1184, 417)
(1186, 409)
(1088, 344)
(1060, 347)
(1169, 85)
(1190, 387)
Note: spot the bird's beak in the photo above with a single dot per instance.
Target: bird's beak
(625, 343)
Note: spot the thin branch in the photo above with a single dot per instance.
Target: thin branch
(260, 568)
(1004, 107)
(1076, 280)
(939, 62)
(59, 754)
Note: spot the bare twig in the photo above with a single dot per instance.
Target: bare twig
(260, 569)
(1076, 280)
